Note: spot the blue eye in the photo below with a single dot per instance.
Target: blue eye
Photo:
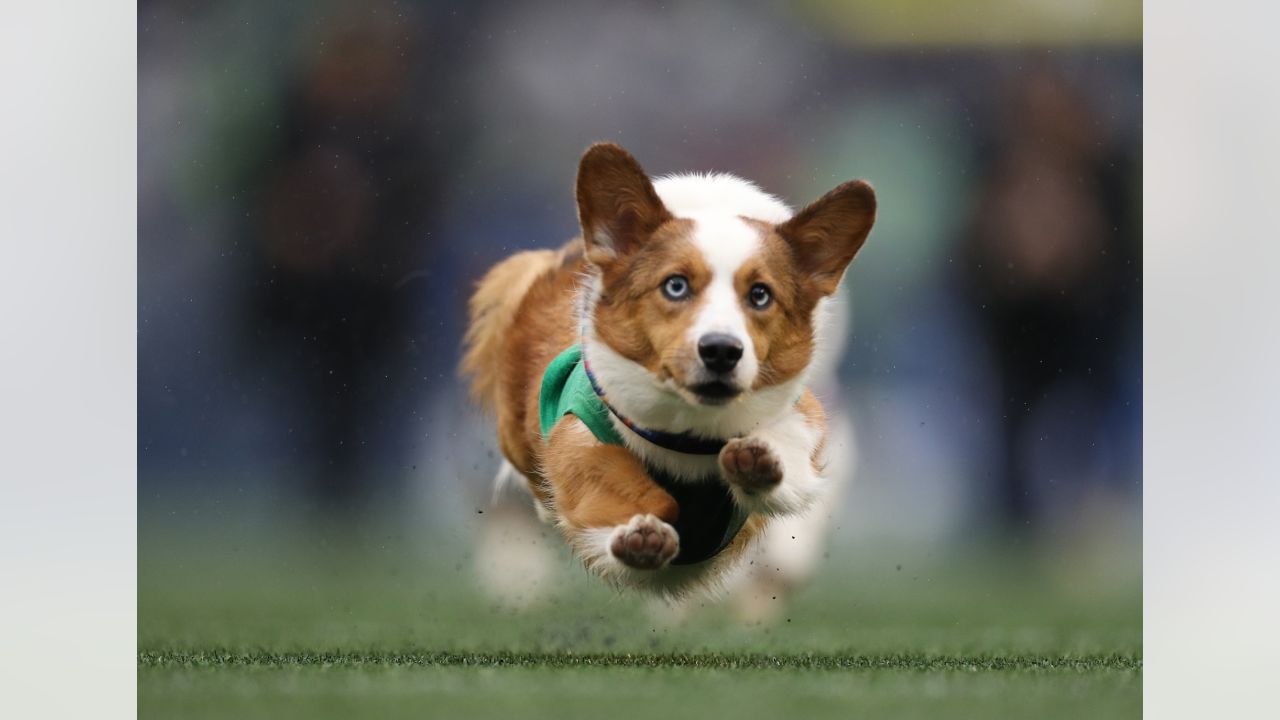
(676, 287)
(759, 296)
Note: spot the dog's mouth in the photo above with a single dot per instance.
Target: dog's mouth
(715, 392)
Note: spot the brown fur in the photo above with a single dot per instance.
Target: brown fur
(815, 417)
(826, 234)
(635, 318)
(617, 205)
(491, 311)
(600, 485)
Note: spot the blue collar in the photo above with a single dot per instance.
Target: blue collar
(687, 443)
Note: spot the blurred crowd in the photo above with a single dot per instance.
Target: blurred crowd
(321, 183)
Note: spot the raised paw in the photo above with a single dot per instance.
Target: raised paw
(751, 465)
(645, 543)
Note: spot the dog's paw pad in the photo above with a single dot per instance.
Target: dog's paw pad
(751, 464)
(645, 543)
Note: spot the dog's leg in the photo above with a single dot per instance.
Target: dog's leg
(515, 553)
(773, 471)
(614, 515)
(791, 547)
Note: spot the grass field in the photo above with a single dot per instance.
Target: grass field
(237, 623)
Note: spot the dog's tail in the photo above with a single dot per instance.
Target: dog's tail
(492, 310)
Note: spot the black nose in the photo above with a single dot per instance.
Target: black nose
(719, 352)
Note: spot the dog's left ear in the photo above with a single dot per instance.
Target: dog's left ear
(617, 204)
(826, 235)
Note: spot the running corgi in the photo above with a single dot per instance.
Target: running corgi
(648, 379)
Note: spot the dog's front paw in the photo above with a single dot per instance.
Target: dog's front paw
(645, 543)
(751, 465)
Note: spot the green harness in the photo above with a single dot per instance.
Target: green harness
(709, 518)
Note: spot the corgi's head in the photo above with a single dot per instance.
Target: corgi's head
(707, 288)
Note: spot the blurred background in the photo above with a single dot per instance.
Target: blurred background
(321, 183)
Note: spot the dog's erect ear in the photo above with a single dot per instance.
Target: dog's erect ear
(826, 235)
(617, 205)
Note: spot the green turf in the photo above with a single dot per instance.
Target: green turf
(566, 660)
(457, 692)
(237, 622)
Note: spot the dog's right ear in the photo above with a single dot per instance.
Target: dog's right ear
(617, 205)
